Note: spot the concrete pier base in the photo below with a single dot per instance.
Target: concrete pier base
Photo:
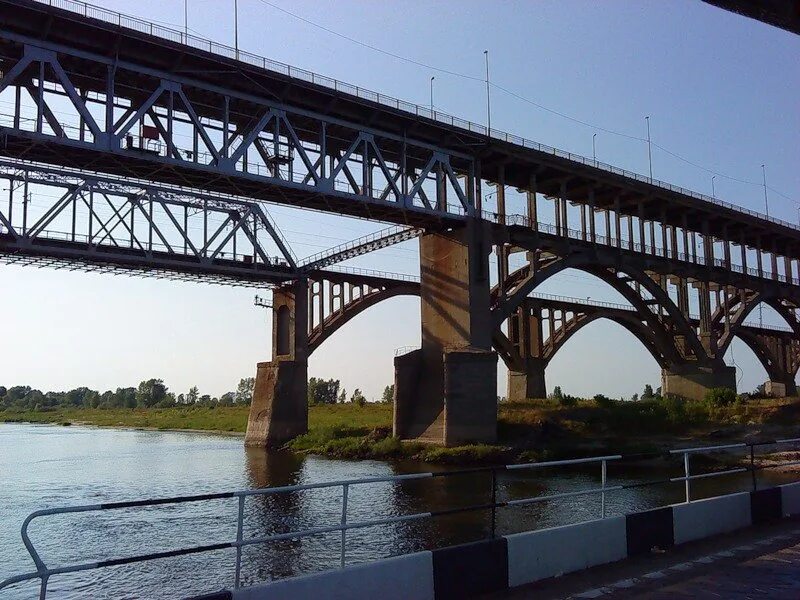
(446, 392)
(781, 388)
(529, 384)
(692, 381)
(279, 411)
(453, 404)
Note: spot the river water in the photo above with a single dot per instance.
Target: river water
(45, 466)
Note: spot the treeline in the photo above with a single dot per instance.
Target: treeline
(151, 393)
(330, 391)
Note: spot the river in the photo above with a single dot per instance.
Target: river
(44, 466)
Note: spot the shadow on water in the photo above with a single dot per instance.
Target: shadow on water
(88, 465)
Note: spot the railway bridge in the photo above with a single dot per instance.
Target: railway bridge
(165, 148)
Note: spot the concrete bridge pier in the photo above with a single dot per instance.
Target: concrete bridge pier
(279, 411)
(781, 387)
(693, 381)
(528, 384)
(446, 392)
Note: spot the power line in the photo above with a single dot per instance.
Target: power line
(518, 97)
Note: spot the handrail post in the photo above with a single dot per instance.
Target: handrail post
(603, 472)
(345, 487)
(494, 502)
(686, 474)
(239, 539)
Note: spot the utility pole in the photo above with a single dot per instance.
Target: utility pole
(432, 78)
(649, 150)
(594, 149)
(766, 202)
(488, 105)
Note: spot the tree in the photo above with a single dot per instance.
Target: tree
(227, 399)
(126, 397)
(342, 396)
(323, 391)
(358, 398)
(557, 393)
(244, 391)
(635, 398)
(192, 395)
(648, 394)
(388, 394)
(150, 393)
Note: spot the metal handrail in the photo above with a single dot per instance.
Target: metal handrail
(687, 452)
(43, 572)
(200, 43)
(628, 245)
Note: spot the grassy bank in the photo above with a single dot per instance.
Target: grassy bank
(232, 419)
(531, 430)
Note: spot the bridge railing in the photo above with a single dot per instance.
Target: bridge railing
(44, 572)
(627, 244)
(182, 37)
(628, 308)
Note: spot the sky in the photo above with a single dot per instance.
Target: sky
(722, 93)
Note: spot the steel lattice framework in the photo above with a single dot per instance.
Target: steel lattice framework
(94, 222)
(137, 117)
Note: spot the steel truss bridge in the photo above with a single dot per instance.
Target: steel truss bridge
(126, 146)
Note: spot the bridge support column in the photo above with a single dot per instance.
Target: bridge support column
(446, 392)
(786, 386)
(529, 384)
(279, 411)
(693, 381)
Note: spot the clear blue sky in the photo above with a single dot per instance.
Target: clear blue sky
(722, 91)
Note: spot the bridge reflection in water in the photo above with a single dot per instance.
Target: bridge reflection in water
(137, 464)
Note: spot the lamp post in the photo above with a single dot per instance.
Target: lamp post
(432, 78)
(488, 105)
(713, 191)
(236, 26)
(186, 19)
(764, 175)
(649, 150)
(594, 149)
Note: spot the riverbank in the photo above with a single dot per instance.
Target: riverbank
(530, 430)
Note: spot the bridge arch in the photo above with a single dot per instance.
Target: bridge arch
(631, 323)
(347, 310)
(636, 286)
(741, 307)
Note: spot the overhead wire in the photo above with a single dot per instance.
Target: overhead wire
(520, 97)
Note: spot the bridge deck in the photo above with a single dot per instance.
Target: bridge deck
(89, 39)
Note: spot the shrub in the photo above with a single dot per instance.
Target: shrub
(604, 401)
(567, 400)
(720, 397)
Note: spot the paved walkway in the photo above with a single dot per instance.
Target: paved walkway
(760, 562)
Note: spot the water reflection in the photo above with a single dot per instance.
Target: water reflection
(79, 465)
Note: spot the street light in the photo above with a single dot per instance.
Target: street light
(649, 150)
(766, 202)
(432, 78)
(186, 18)
(594, 149)
(488, 105)
(236, 26)
(713, 192)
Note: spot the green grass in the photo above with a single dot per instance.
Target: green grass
(221, 418)
(529, 430)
